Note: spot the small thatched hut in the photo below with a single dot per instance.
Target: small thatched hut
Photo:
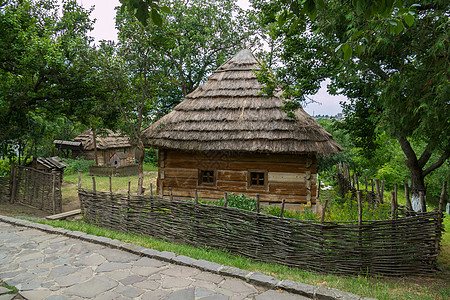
(113, 149)
(227, 136)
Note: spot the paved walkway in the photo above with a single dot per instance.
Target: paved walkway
(49, 266)
(44, 262)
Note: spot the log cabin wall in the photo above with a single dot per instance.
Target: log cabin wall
(273, 176)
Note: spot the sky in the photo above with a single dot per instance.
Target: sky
(104, 29)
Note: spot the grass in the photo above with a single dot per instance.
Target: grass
(436, 287)
(119, 184)
(13, 289)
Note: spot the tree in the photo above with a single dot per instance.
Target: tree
(47, 69)
(397, 79)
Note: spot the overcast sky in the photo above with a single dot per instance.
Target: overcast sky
(104, 29)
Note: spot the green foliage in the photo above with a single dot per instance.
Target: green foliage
(305, 214)
(239, 201)
(151, 157)
(78, 164)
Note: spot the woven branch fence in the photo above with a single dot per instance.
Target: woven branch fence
(5, 189)
(398, 247)
(34, 188)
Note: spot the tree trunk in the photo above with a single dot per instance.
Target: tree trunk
(417, 186)
(94, 138)
(141, 167)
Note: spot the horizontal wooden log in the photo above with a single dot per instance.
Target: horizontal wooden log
(232, 175)
(181, 173)
(284, 177)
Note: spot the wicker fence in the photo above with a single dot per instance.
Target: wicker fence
(397, 247)
(31, 187)
(5, 189)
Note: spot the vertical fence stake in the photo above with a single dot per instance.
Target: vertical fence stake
(13, 184)
(225, 199)
(408, 200)
(322, 219)
(366, 183)
(94, 188)
(393, 206)
(377, 188)
(110, 184)
(79, 180)
(422, 201)
(360, 208)
(196, 196)
(318, 191)
(171, 193)
(396, 195)
(257, 203)
(54, 191)
(282, 208)
(383, 184)
(151, 190)
(129, 188)
(441, 210)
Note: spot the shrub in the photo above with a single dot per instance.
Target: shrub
(76, 165)
(239, 201)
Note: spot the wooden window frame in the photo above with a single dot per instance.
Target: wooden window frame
(200, 177)
(257, 187)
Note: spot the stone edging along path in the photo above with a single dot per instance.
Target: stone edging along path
(310, 291)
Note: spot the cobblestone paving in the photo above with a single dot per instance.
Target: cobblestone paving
(49, 266)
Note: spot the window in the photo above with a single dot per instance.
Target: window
(257, 179)
(206, 177)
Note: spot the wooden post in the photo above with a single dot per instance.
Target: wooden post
(225, 199)
(318, 191)
(94, 188)
(383, 183)
(110, 184)
(366, 183)
(357, 182)
(171, 193)
(196, 196)
(129, 188)
(377, 188)
(54, 191)
(422, 201)
(322, 219)
(360, 209)
(257, 203)
(393, 206)
(151, 190)
(441, 210)
(13, 184)
(371, 180)
(79, 180)
(396, 195)
(282, 208)
(408, 200)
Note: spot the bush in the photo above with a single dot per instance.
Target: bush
(76, 165)
(305, 214)
(239, 201)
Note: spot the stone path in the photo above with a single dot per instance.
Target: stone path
(49, 266)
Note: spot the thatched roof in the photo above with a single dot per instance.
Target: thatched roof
(229, 113)
(107, 140)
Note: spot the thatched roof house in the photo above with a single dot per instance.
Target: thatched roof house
(239, 140)
(113, 149)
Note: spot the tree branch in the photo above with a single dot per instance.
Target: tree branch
(437, 164)
(424, 158)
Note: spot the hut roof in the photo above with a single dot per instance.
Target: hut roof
(108, 140)
(229, 113)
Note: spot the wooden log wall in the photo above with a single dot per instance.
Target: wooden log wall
(397, 247)
(289, 177)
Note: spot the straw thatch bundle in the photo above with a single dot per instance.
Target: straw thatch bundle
(229, 113)
(107, 140)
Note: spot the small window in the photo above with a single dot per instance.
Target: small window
(257, 179)
(206, 177)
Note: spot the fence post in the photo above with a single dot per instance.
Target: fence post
(170, 194)
(151, 189)
(393, 205)
(366, 183)
(318, 191)
(196, 196)
(110, 184)
(383, 184)
(360, 212)
(257, 203)
(94, 187)
(129, 188)
(79, 180)
(13, 184)
(377, 188)
(440, 215)
(53, 191)
(225, 199)
(408, 200)
(322, 219)
(282, 208)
